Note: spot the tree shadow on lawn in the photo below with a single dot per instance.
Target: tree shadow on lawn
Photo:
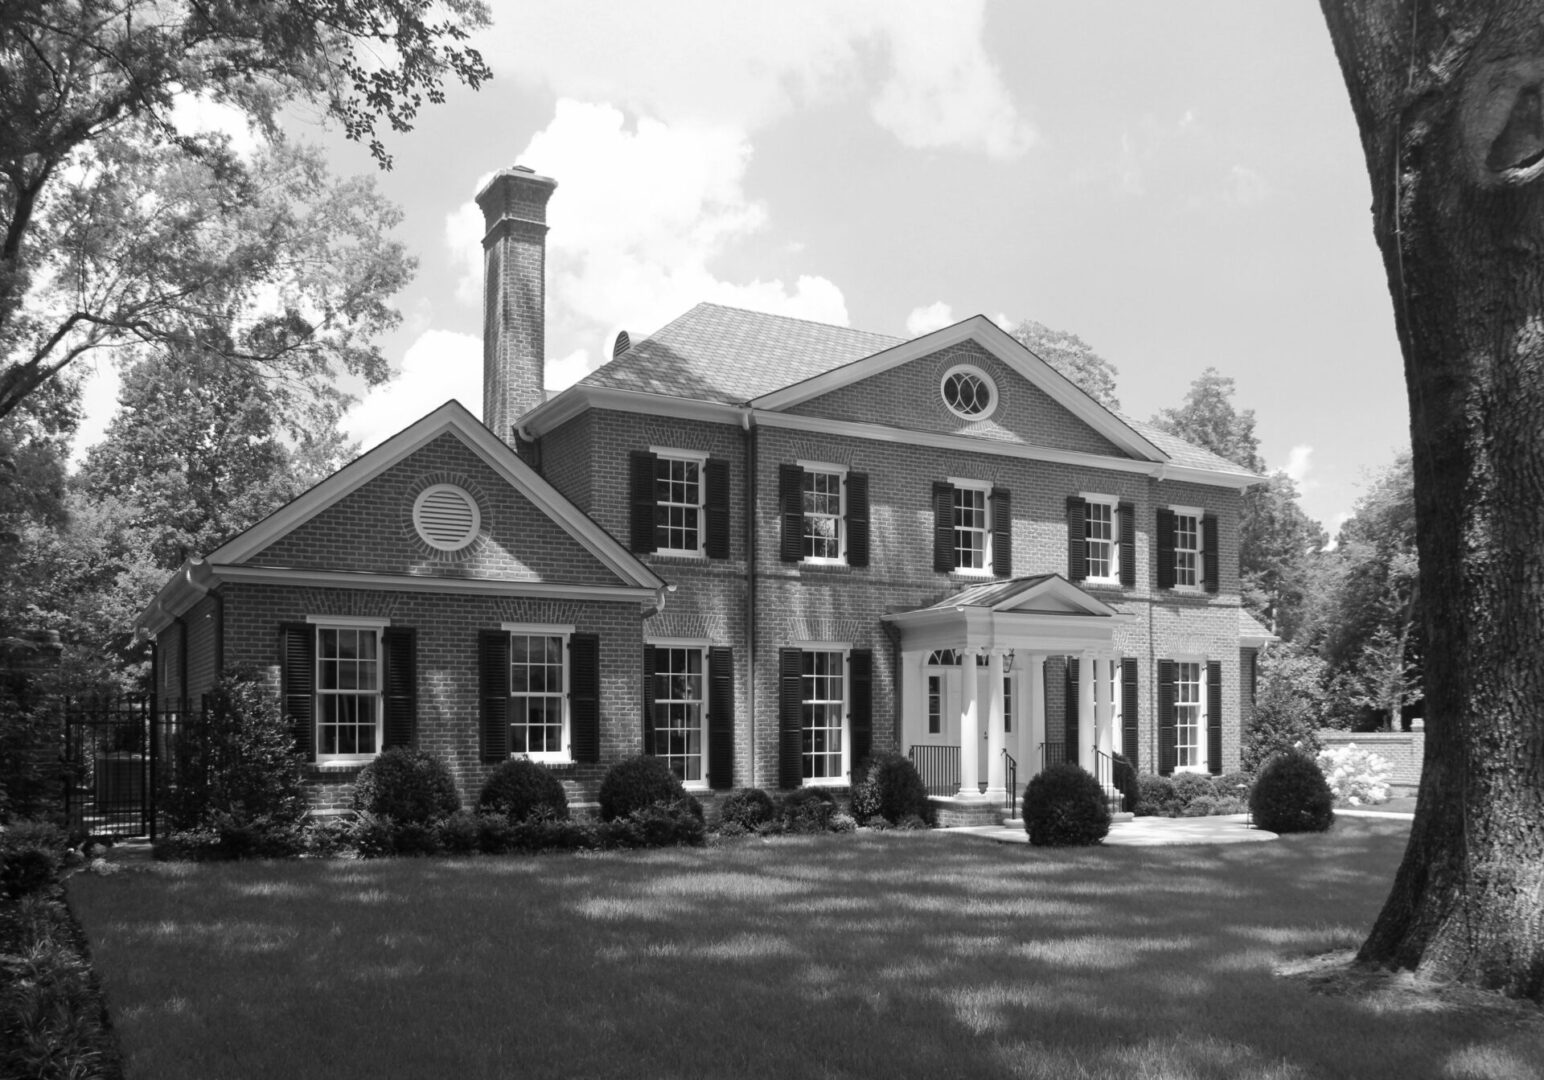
(904, 954)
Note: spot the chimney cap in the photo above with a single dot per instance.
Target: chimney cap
(520, 176)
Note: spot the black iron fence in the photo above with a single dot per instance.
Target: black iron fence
(939, 767)
(123, 761)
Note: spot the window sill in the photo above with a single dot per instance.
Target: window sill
(974, 575)
(830, 567)
(671, 553)
(334, 768)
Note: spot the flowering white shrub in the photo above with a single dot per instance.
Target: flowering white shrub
(1355, 776)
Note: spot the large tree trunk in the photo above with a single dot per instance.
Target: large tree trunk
(1449, 98)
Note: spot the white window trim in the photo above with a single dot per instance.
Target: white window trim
(1200, 548)
(347, 622)
(844, 770)
(986, 569)
(703, 645)
(670, 453)
(1113, 577)
(565, 755)
(841, 517)
(976, 370)
(1201, 717)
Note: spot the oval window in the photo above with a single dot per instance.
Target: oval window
(447, 518)
(969, 392)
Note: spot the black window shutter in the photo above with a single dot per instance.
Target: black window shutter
(1250, 658)
(1077, 539)
(715, 505)
(790, 502)
(1070, 720)
(641, 466)
(1165, 549)
(493, 693)
(861, 663)
(1128, 544)
(584, 697)
(1214, 717)
(400, 644)
(648, 699)
(1167, 736)
(297, 648)
(1209, 551)
(1130, 739)
(1002, 532)
(857, 519)
(721, 718)
(791, 718)
(943, 526)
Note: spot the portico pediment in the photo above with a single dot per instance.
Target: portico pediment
(1044, 613)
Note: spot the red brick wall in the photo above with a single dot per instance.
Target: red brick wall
(1405, 750)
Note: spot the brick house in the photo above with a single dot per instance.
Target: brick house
(758, 547)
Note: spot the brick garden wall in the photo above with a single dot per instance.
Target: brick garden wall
(1405, 750)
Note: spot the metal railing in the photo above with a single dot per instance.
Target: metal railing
(1052, 753)
(939, 767)
(1011, 777)
(1104, 769)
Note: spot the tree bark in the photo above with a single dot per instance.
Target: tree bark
(1449, 100)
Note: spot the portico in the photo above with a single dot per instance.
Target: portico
(973, 688)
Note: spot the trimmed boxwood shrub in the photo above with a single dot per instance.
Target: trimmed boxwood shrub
(1155, 796)
(747, 809)
(519, 787)
(806, 810)
(636, 783)
(660, 824)
(1234, 785)
(1125, 778)
(1188, 787)
(1291, 795)
(888, 786)
(407, 785)
(1063, 806)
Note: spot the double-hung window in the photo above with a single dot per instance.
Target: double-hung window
(824, 714)
(538, 692)
(972, 538)
(824, 492)
(678, 490)
(679, 692)
(972, 528)
(680, 503)
(348, 692)
(1187, 548)
(1101, 540)
(1189, 735)
(824, 512)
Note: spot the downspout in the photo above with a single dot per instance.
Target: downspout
(751, 505)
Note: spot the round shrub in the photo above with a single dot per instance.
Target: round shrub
(1234, 785)
(519, 787)
(1124, 776)
(747, 809)
(1155, 796)
(1291, 795)
(1201, 806)
(637, 783)
(407, 785)
(1189, 786)
(806, 810)
(888, 786)
(1063, 806)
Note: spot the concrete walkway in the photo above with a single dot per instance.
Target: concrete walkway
(1147, 832)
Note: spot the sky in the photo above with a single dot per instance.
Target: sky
(1179, 184)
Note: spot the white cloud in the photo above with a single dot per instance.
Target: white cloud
(196, 114)
(1245, 187)
(1298, 463)
(438, 366)
(98, 405)
(924, 320)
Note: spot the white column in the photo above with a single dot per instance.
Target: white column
(1085, 748)
(1104, 711)
(970, 727)
(913, 698)
(1034, 673)
(996, 779)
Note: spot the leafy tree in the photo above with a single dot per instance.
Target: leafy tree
(1291, 702)
(1208, 418)
(1447, 101)
(1073, 357)
(1278, 544)
(117, 228)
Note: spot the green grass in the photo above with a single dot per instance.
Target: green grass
(845, 956)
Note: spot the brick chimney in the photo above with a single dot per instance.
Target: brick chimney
(514, 206)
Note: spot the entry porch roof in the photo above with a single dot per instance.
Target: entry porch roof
(1040, 613)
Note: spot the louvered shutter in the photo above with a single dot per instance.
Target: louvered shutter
(1128, 544)
(400, 680)
(641, 469)
(1130, 738)
(1167, 735)
(715, 505)
(861, 665)
(1165, 549)
(1209, 551)
(584, 698)
(1077, 538)
(1214, 717)
(1250, 659)
(445, 516)
(943, 526)
(857, 519)
(493, 693)
(649, 697)
(721, 718)
(1002, 532)
(297, 651)
(790, 502)
(1070, 719)
(791, 718)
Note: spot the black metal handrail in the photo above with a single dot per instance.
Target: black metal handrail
(1052, 753)
(1104, 769)
(939, 767)
(1011, 775)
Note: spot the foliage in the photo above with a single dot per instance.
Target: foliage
(240, 765)
(1124, 776)
(31, 854)
(519, 787)
(1290, 795)
(806, 810)
(637, 783)
(747, 808)
(1208, 419)
(1065, 806)
(888, 786)
(1156, 796)
(225, 838)
(1072, 357)
(407, 785)
(30, 750)
(660, 824)
(1235, 785)
(1189, 786)
(1291, 704)
(843, 823)
(1356, 776)
(1278, 550)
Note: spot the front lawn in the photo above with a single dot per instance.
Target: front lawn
(896, 954)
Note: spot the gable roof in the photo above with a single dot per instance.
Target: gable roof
(198, 575)
(1042, 593)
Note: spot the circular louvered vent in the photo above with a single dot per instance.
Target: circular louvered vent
(446, 517)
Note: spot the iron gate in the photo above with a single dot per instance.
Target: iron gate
(109, 767)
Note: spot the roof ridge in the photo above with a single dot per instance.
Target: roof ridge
(791, 318)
